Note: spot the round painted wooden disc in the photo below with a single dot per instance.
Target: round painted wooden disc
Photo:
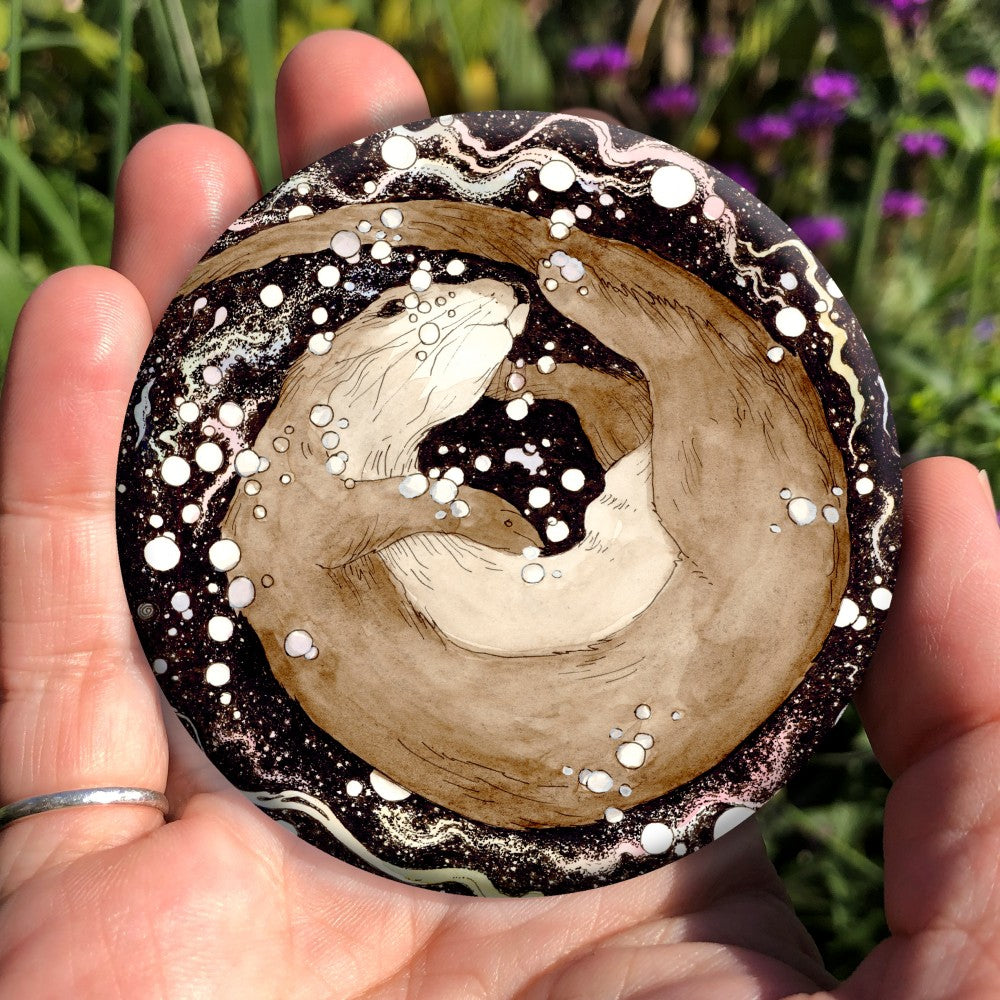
(508, 503)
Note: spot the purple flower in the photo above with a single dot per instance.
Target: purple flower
(717, 45)
(834, 87)
(903, 205)
(607, 59)
(676, 100)
(908, 13)
(930, 144)
(983, 79)
(765, 130)
(819, 231)
(985, 330)
(813, 115)
(734, 171)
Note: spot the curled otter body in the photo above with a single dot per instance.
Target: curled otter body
(680, 618)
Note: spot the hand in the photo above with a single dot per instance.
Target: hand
(219, 900)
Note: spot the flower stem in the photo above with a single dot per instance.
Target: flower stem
(868, 242)
(122, 124)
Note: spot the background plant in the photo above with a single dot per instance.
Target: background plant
(873, 126)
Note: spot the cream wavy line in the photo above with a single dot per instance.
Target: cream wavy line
(319, 811)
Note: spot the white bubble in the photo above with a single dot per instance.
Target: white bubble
(557, 532)
(336, 465)
(320, 315)
(159, 666)
(731, 819)
(188, 412)
(354, 788)
(224, 554)
(400, 152)
(573, 480)
(613, 815)
(247, 462)
(557, 175)
(539, 497)
(241, 593)
(212, 375)
(848, 613)
(600, 782)
(483, 463)
(631, 755)
(380, 250)
(190, 513)
(864, 486)
(388, 789)
(217, 674)
(298, 642)
(455, 474)
(162, 553)
(790, 321)
(788, 280)
(345, 243)
(420, 281)
(460, 509)
(533, 573)
(444, 491)
(300, 212)
(644, 740)
(231, 414)
(321, 415)
(831, 514)
(319, 345)
(272, 296)
(328, 275)
(280, 444)
(455, 268)
(209, 456)
(656, 838)
(330, 440)
(834, 289)
(517, 409)
(392, 218)
(558, 231)
(546, 364)
(672, 186)
(775, 354)
(181, 601)
(175, 471)
(414, 485)
(429, 333)
(220, 628)
(801, 510)
(643, 712)
(881, 598)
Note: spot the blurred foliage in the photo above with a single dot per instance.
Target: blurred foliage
(83, 80)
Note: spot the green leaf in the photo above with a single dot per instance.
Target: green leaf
(37, 189)
(14, 291)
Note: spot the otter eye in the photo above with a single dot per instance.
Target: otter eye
(508, 523)
(390, 309)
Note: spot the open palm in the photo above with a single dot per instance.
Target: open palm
(218, 900)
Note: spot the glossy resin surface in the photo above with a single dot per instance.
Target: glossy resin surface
(509, 502)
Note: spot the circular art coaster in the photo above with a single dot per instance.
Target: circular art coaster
(508, 503)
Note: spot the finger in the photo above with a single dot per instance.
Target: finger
(338, 86)
(79, 708)
(937, 670)
(178, 190)
(932, 705)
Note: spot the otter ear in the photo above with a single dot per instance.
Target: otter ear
(518, 318)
